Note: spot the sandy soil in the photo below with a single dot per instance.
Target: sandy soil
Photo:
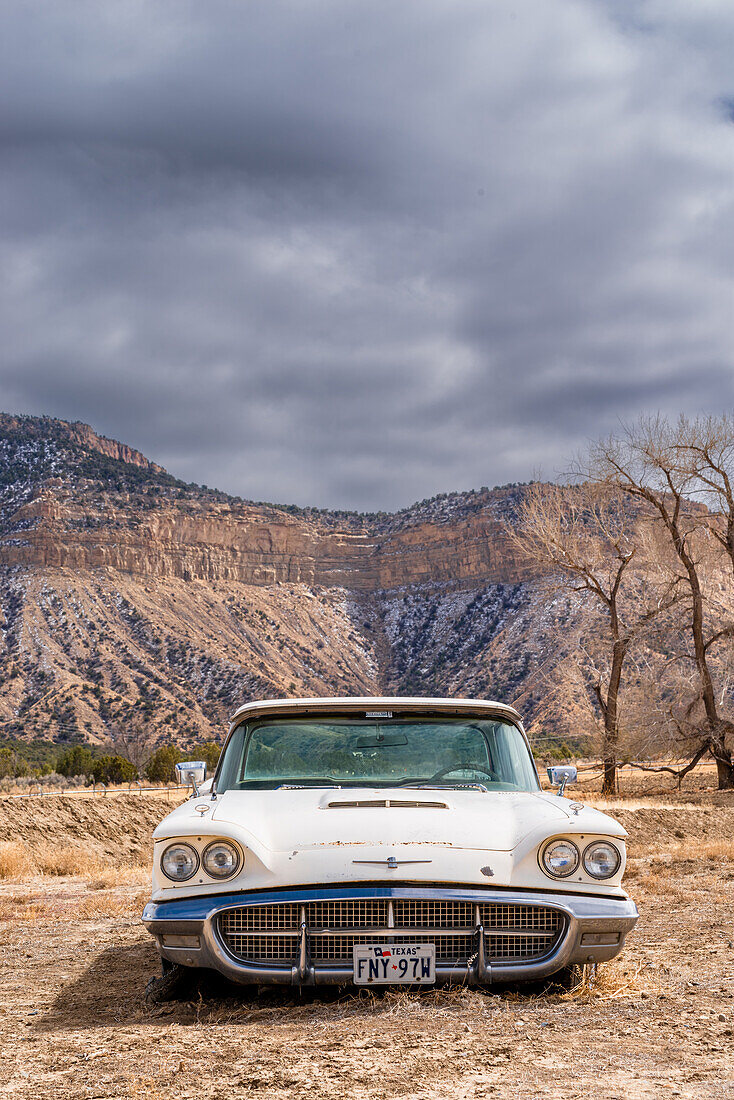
(659, 1022)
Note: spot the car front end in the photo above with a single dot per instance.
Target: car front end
(384, 840)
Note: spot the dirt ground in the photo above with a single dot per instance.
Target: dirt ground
(75, 960)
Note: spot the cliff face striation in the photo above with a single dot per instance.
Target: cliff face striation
(133, 601)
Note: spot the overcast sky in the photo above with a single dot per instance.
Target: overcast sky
(357, 253)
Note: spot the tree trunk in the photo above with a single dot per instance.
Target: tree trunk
(725, 774)
(708, 695)
(609, 783)
(611, 709)
(724, 758)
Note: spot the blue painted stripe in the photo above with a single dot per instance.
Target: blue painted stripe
(199, 908)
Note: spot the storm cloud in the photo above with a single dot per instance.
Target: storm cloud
(356, 253)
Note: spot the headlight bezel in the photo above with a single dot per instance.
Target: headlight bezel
(227, 843)
(547, 847)
(180, 844)
(608, 844)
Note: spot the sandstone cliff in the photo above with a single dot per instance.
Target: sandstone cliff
(132, 600)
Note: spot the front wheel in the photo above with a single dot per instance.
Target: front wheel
(174, 983)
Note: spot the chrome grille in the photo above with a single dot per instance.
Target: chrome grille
(512, 948)
(269, 934)
(434, 914)
(261, 918)
(273, 950)
(360, 913)
(521, 918)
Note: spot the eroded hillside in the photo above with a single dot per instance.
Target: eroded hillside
(131, 600)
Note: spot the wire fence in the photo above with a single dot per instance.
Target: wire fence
(98, 790)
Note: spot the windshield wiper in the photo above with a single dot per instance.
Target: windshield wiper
(470, 784)
(295, 783)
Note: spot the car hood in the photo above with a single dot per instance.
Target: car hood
(308, 819)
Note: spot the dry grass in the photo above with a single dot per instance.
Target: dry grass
(693, 852)
(103, 905)
(28, 908)
(717, 850)
(64, 861)
(106, 876)
(608, 805)
(19, 861)
(614, 980)
(20, 909)
(15, 862)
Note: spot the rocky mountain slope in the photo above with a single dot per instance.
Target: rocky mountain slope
(137, 606)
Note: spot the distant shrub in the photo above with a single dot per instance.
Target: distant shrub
(78, 760)
(209, 752)
(161, 768)
(113, 769)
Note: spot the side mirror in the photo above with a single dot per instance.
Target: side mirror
(193, 772)
(562, 774)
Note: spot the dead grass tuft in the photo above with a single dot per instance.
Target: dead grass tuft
(15, 861)
(107, 877)
(102, 905)
(66, 860)
(18, 861)
(613, 980)
(717, 850)
(20, 909)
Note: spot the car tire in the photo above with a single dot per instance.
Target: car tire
(174, 983)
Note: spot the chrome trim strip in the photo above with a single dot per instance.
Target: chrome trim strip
(397, 930)
(484, 971)
(391, 862)
(303, 952)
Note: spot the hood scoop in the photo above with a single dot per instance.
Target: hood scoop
(386, 804)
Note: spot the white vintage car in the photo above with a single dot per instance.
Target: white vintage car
(382, 841)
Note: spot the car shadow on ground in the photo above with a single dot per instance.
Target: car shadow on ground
(111, 993)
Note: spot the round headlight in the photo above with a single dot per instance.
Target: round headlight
(221, 859)
(179, 862)
(560, 858)
(602, 859)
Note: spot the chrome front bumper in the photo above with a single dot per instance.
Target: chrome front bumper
(187, 932)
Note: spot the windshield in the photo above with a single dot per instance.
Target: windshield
(270, 753)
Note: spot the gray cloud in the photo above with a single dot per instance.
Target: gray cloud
(355, 254)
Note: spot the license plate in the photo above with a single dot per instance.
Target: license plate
(394, 964)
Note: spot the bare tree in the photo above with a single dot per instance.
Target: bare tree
(133, 741)
(705, 449)
(670, 466)
(589, 535)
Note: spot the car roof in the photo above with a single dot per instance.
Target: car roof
(348, 704)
